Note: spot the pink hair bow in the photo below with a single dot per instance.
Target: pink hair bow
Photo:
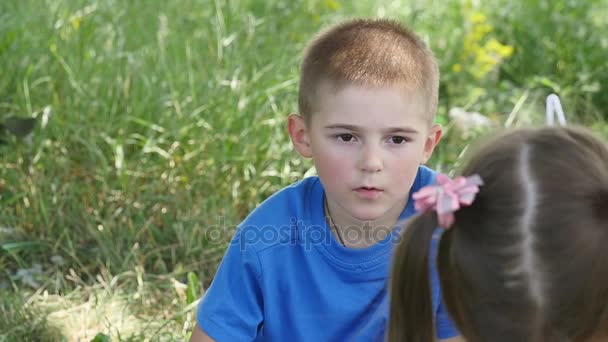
(447, 196)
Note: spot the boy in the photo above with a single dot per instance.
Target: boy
(311, 262)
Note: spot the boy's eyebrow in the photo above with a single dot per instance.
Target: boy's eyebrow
(387, 130)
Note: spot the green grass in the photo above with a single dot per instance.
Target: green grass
(22, 321)
(162, 123)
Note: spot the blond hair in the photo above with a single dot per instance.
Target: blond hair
(368, 52)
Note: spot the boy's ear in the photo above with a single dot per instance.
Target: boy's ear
(431, 141)
(299, 135)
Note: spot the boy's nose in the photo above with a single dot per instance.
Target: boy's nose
(370, 160)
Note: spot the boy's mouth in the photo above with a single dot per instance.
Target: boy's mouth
(367, 192)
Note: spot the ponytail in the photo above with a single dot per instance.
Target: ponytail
(411, 307)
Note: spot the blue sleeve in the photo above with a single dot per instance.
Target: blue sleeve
(232, 307)
(443, 324)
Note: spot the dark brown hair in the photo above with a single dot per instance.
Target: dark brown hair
(368, 52)
(528, 260)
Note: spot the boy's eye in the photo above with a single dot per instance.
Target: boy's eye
(345, 137)
(398, 140)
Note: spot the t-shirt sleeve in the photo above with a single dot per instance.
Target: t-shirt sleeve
(232, 307)
(443, 324)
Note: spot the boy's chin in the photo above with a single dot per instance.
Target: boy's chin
(367, 216)
(377, 211)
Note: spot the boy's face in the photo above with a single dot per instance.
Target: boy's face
(367, 145)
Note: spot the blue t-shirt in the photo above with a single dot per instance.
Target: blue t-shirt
(285, 277)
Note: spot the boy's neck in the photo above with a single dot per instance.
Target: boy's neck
(355, 233)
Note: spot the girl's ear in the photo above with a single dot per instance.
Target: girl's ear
(298, 132)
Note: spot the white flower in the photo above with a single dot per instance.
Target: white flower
(468, 122)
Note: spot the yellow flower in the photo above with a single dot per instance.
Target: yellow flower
(332, 5)
(76, 23)
(478, 17)
(500, 49)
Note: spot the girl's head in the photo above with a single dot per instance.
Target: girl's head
(528, 259)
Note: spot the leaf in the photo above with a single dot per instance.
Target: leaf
(193, 290)
(591, 88)
(19, 126)
(545, 81)
(101, 337)
(19, 245)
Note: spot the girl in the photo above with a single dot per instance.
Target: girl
(524, 253)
